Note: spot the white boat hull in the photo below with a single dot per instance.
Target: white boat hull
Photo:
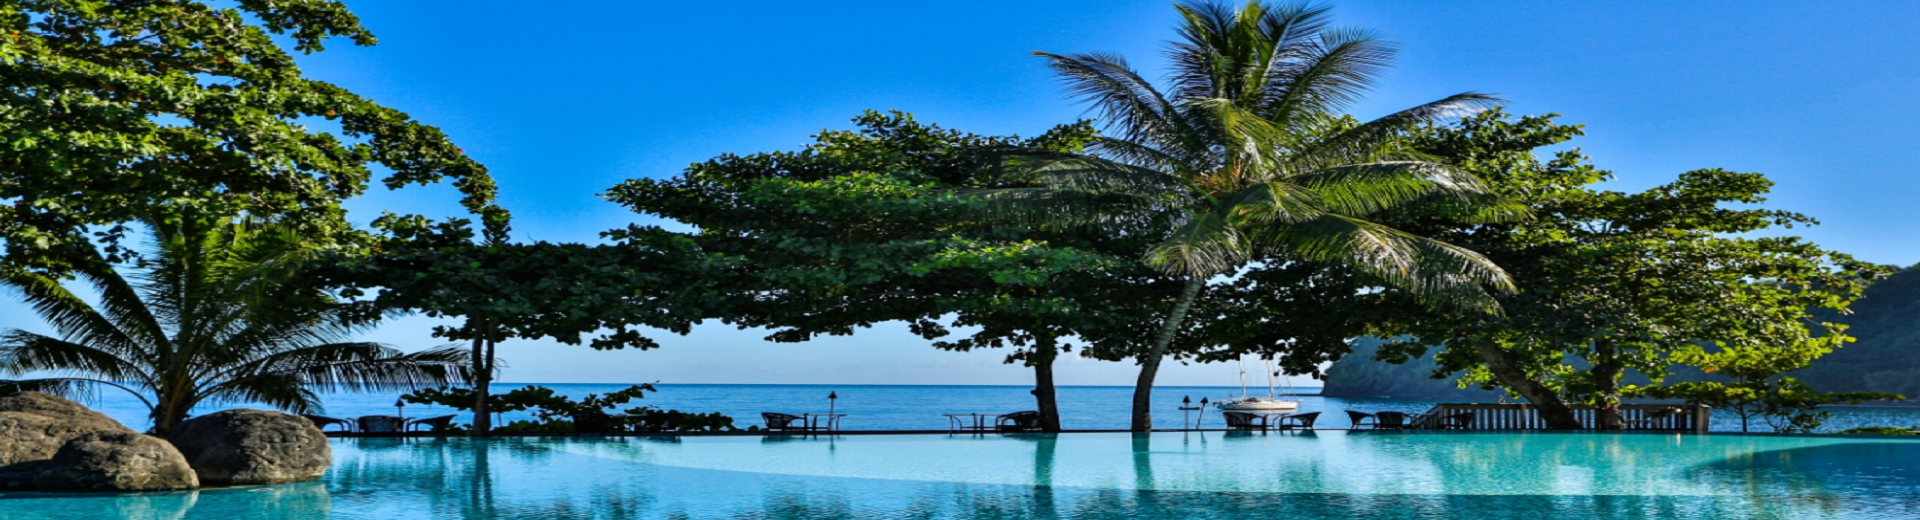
(1258, 404)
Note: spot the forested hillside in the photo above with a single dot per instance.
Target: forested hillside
(1887, 356)
(1358, 375)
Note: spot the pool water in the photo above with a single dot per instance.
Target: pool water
(1482, 476)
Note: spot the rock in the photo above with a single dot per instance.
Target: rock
(116, 461)
(34, 425)
(237, 447)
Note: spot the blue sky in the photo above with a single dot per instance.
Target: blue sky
(565, 100)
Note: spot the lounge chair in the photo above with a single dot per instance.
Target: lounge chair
(440, 423)
(381, 424)
(782, 422)
(1017, 421)
(1362, 419)
(1302, 421)
(1390, 421)
(1245, 421)
(323, 422)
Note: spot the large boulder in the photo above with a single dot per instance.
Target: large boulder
(236, 447)
(116, 461)
(34, 425)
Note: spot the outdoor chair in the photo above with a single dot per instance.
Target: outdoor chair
(1302, 421)
(1017, 421)
(440, 423)
(381, 424)
(591, 421)
(1390, 421)
(1245, 421)
(777, 421)
(1362, 419)
(1458, 421)
(323, 422)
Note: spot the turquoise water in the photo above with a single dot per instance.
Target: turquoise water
(918, 407)
(1093, 476)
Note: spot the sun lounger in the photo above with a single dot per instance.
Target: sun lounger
(782, 422)
(439, 423)
(323, 422)
(1017, 421)
(1245, 421)
(381, 424)
(1302, 421)
(1390, 420)
(1361, 419)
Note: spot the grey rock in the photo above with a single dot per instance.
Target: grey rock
(238, 447)
(116, 461)
(34, 425)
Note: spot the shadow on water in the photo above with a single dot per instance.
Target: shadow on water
(1864, 472)
(297, 501)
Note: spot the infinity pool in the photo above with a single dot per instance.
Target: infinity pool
(1165, 475)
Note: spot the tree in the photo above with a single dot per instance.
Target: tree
(868, 226)
(1621, 282)
(1754, 387)
(113, 111)
(1245, 159)
(219, 312)
(541, 290)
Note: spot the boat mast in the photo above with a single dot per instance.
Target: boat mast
(1242, 363)
(1270, 379)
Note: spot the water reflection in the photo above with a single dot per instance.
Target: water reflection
(1072, 476)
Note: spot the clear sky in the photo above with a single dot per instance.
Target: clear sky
(566, 99)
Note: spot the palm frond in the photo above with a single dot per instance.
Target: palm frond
(1274, 203)
(360, 367)
(1129, 104)
(22, 352)
(74, 389)
(1363, 143)
(1335, 69)
(1208, 244)
(1366, 189)
(1443, 275)
(70, 316)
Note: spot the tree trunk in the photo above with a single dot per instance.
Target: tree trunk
(1557, 414)
(1044, 352)
(1150, 362)
(1606, 379)
(482, 380)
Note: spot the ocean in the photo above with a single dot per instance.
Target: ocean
(917, 407)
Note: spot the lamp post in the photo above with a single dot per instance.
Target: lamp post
(831, 398)
(1187, 408)
(399, 408)
(1203, 413)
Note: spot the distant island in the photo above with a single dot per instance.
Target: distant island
(1358, 375)
(1887, 356)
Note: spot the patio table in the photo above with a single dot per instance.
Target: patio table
(976, 422)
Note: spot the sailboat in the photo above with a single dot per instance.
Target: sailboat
(1256, 404)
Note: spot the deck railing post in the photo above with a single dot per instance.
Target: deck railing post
(1702, 418)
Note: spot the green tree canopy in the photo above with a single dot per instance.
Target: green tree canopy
(870, 226)
(112, 111)
(1621, 281)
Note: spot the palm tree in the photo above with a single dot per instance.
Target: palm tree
(1244, 157)
(217, 312)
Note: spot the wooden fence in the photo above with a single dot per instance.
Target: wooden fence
(1482, 416)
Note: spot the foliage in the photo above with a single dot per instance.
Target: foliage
(1244, 158)
(217, 312)
(114, 111)
(1881, 430)
(871, 225)
(1621, 281)
(561, 414)
(1755, 388)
